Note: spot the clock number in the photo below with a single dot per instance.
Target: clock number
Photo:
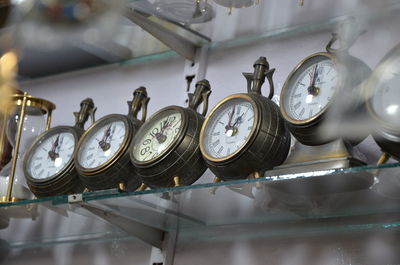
(146, 142)
(176, 130)
(172, 119)
(144, 150)
(154, 132)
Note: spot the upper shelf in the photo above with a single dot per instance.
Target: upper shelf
(199, 23)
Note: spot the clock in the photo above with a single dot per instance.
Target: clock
(245, 133)
(383, 104)
(48, 165)
(102, 157)
(314, 86)
(166, 150)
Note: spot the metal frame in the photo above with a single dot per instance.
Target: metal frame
(174, 41)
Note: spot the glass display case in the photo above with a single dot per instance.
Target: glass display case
(348, 215)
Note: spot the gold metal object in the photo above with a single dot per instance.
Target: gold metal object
(307, 131)
(87, 109)
(289, 81)
(266, 146)
(214, 189)
(66, 180)
(182, 157)
(23, 101)
(383, 158)
(142, 187)
(177, 181)
(44, 105)
(257, 175)
(4, 199)
(8, 73)
(249, 140)
(122, 186)
(5, 146)
(86, 190)
(16, 148)
(118, 168)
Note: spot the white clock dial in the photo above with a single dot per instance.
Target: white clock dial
(386, 99)
(314, 86)
(157, 135)
(51, 155)
(229, 127)
(101, 144)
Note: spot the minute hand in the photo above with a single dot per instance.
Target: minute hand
(238, 119)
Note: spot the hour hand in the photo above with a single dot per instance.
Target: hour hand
(52, 153)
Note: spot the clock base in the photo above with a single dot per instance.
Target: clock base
(316, 160)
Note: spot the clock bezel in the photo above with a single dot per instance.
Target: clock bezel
(114, 159)
(370, 89)
(45, 135)
(290, 81)
(163, 155)
(246, 144)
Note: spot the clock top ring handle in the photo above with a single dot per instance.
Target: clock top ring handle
(256, 80)
(347, 34)
(200, 95)
(87, 109)
(139, 102)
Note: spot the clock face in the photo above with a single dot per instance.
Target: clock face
(311, 88)
(157, 135)
(386, 98)
(228, 128)
(101, 143)
(51, 155)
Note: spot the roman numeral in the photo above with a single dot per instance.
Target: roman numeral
(302, 112)
(215, 143)
(220, 150)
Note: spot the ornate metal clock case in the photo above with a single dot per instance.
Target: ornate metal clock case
(102, 157)
(245, 133)
(314, 85)
(48, 165)
(316, 88)
(166, 148)
(383, 104)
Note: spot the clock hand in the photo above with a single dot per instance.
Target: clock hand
(238, 120)
(312, 89)
(52, 153)
(59, 145)
(102, 142)
(228, 126)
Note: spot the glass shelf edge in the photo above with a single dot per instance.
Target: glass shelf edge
(114, 193)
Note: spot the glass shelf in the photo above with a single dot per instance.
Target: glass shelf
(277, 203)
(243, 26)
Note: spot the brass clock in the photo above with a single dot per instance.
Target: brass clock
(314, 85)
(48, 165)
(102, 157)
(383, 104)
(245, 133)
(166, 148)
